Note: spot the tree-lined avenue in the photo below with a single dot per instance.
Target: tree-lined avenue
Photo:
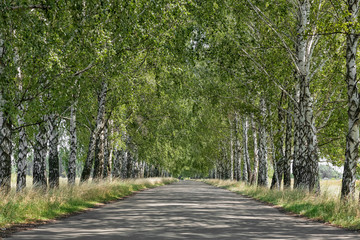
(186, 210)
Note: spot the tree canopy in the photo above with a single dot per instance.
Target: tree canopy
(196, 88)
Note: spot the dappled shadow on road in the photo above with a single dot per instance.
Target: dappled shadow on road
(186, 210)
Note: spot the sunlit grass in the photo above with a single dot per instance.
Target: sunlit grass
(325, 207)
(34, 204)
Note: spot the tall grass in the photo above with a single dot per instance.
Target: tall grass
(34, 204)
(326, 207)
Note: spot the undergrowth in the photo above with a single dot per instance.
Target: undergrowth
(34, 204)
(325, 207)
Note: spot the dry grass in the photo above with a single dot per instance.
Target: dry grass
(325, 207)
(36, 204)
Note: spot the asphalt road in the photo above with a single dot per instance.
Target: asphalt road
(185, 210)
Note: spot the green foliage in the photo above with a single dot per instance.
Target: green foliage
(176, 71)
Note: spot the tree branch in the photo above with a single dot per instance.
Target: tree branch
(36, 6)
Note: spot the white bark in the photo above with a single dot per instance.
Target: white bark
(352, 138)
(246, 164)
(100, 122)
(23, 151)
(99, 156)
(307, 157)
(124, 164)
(117, 163)
(296, 155)
(231, 151)
(288, 145)
(85, 175)
(73, 146)
(256, 152)
(237, 153)
(100, 126)
(53, 152)
(5, 147)
(107, 151)
(5, 130)
(40, 151)
(129, 168)
(21, 164)
(278, 150)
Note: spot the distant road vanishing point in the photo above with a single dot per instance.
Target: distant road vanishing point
(185, 210)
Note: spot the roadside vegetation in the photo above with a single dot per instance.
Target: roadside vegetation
(32, 204)
(326, 208)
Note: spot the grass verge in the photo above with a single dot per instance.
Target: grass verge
(324, 207)
(35, 205)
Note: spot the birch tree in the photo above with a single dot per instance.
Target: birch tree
(263, 164)
(246, 165)
(22, 154)
(256, 152)
(53, 135)
(95, 141)
(40, 151)
(237, 154)
(288, 147)
(5, 125)
(352, 138)
(73, 146)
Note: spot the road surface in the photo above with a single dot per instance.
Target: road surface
(185, 210)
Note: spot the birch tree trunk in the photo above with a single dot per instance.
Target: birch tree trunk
(107, 169)
(352, 137)
(307, 167)
(141, 172)
(254, 172)
(73, 146)
(302, 166)
(308, 156)
(275, 178)
(100, 122)
(278, 148)
(287, 157)
(231, 151)
(256, 153)
(136, 169)
(263, 164)
(313, 155)
(237, 154)
(117, 164)
(146, 170)
(136, 163)
(23, 144)
(129, 164)
(224, 161)
(5, 146)
(99, 157)
(85, 175)
(296, 155)
(23, 151)
(53, 153)
(111, 157)
(124, 163)
(5, 129)
(40, 150)
(246, 165)
(100, 126)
